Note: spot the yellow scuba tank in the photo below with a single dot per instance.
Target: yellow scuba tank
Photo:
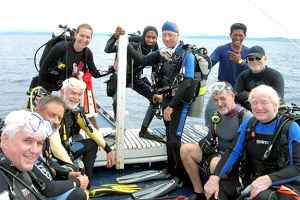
(197, 107)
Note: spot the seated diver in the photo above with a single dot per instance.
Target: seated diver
(51, 173)
(60, 182)
(147, 44)
(21, 145)
(67, 144)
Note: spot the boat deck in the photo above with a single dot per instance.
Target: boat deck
(140, 150)
(139, 154)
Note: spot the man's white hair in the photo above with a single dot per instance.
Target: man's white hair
(15, 121)
(266, 90)
(73, 83)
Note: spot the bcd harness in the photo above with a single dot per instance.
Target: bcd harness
(6, 173)
(210, 147)
(277, 146)
(69, 127)
(202, 63)
(170, 73)
(62, 64)
(215, 119)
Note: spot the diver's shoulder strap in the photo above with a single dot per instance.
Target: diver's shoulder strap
(9, 173)
(282, 128)
(12, 194)
(241, 115)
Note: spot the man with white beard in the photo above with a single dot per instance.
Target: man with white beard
(67, 144)
(257, 74)
(224, 128)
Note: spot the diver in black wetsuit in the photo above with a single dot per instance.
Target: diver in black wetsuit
(147, 44)
(257, 74)
(177, 75)
(72, 59)
(69, 55)
(21, 143)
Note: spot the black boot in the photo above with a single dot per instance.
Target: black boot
(145, 134)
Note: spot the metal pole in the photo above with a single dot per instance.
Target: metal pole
(121, 88)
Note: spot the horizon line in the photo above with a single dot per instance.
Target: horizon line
(196, 35)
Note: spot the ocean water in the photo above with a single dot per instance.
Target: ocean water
(16, 62)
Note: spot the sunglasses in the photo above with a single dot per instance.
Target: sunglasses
(252, 58)
(36, 123)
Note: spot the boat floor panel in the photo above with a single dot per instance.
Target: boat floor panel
(140, 150)
(103, 175)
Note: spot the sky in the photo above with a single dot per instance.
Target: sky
(263, 18)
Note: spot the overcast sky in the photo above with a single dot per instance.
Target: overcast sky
(264, 18)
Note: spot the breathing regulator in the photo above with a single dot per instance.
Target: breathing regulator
(216, 117)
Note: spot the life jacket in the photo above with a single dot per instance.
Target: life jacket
(276, 155)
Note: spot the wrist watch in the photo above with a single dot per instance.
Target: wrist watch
(241, 61)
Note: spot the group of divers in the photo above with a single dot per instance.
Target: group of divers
(63, 166)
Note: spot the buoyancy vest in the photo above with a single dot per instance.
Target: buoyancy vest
(269, 158)
(170, 73)
(71, 124)
(69, 128)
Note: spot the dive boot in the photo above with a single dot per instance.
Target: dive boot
(144, 133)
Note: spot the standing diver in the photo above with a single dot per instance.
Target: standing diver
(72, 59)
(147, 44)
(177, 75)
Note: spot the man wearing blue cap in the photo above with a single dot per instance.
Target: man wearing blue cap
(177, 74)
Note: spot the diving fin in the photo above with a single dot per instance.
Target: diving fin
(157, 189)
(143, 176)
(106, 189)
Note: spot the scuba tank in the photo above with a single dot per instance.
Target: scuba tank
(203, 60)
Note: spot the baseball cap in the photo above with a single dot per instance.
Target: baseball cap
(256, 51)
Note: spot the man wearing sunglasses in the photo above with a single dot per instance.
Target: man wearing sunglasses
(22, 141)
(67, 144)
(258, 74)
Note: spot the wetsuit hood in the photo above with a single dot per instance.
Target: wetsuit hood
(146, 46)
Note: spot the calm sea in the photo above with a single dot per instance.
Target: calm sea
(16, 61)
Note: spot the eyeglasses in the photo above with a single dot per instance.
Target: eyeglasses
(36, 123)
(220, 86)
(74, 82)
(252, 58)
